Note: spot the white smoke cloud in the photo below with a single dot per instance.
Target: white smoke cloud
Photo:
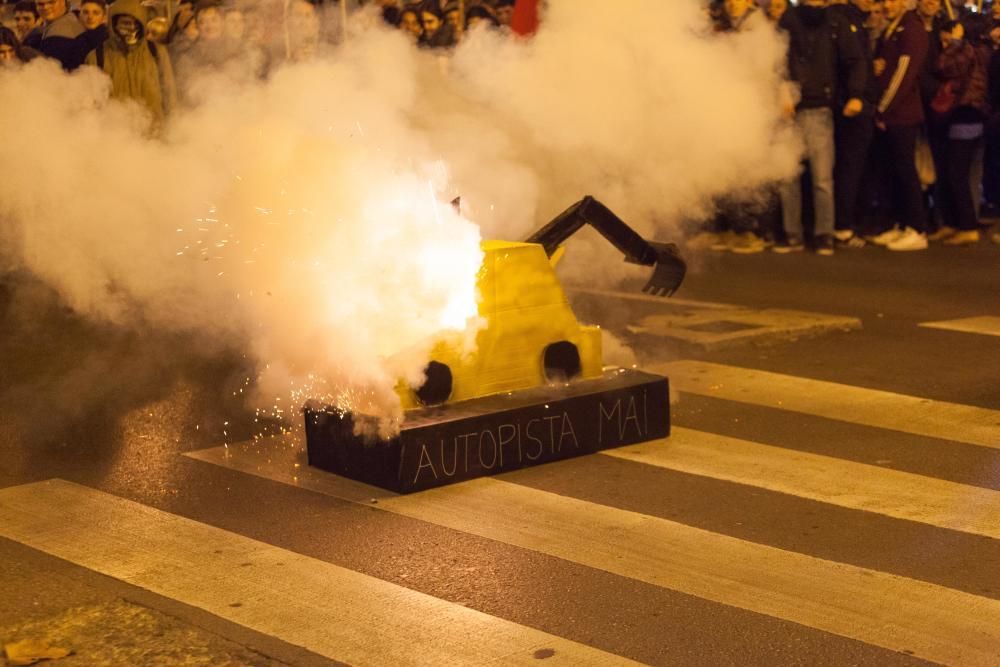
(304, 219)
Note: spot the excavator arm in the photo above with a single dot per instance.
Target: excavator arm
(668, 267)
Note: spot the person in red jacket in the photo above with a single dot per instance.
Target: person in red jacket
(899, 61)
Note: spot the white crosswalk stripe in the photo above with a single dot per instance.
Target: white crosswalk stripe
(893, 612)
(857, 405)
(985, 325)
(830, 480)
(330, 610)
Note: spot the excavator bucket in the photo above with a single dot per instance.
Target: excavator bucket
(668, 270)
(668, 267)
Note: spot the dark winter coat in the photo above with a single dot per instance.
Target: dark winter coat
(64, 39)
(818, 51)
(903, 46)
(856, 20)
(964, 66)
(929, 81)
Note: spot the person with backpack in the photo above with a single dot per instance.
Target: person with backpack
(139, 68)
(959, 107)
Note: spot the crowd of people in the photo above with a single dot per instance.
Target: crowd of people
(154, 51)
(898, 106)
(897, 101)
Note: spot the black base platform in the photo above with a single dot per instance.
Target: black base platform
(495, 434)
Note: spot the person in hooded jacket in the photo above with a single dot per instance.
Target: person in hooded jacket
(139, 69)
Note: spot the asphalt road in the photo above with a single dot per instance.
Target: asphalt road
(830, 494)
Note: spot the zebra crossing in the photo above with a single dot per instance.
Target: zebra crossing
(356, 618)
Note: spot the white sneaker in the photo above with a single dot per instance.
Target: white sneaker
(887, 237)
(911, 239)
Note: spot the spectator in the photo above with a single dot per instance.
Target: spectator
(438, 32)
(10, 48)
(94, 14)
(390, 10)
(234, 27)
(991, 176)
(961, 103)
(736, 15)
(853, 135)
(61, 36)
(409, 22)
(25, 18)
(504, 10)
(94, 17)
(139, 69)
(183, 32)
(208, 51)
(453, 15)
(899, 61)
(930, 14)
(736, 221)
(302, 24)
(478, 15)
(820, 45)
(776, 9)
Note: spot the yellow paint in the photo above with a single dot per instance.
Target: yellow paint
(524, 309)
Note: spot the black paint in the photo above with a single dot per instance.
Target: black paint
(487, 436)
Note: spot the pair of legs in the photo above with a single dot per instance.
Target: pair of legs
(816, 126)
(896, 151)
(958, 209)
(853, 141)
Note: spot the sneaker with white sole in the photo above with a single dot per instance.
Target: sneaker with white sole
(793, 244)
(723, 242)
(965, 237)
(887, 237)
(942, 233)
(702, 240)
(846, 238)
(746, 243)
(911, 239)
(824, 245)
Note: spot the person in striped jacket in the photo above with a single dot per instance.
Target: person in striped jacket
(900, 55)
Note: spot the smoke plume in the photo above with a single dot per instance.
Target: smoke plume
(304, 220)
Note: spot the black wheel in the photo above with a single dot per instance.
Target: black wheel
(436, 389)
(561, 361)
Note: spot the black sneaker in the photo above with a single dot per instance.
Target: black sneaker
(824, 245)
(790, 245)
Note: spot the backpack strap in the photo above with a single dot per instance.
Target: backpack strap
(152, 51)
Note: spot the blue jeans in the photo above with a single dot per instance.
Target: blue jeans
(816, 126)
